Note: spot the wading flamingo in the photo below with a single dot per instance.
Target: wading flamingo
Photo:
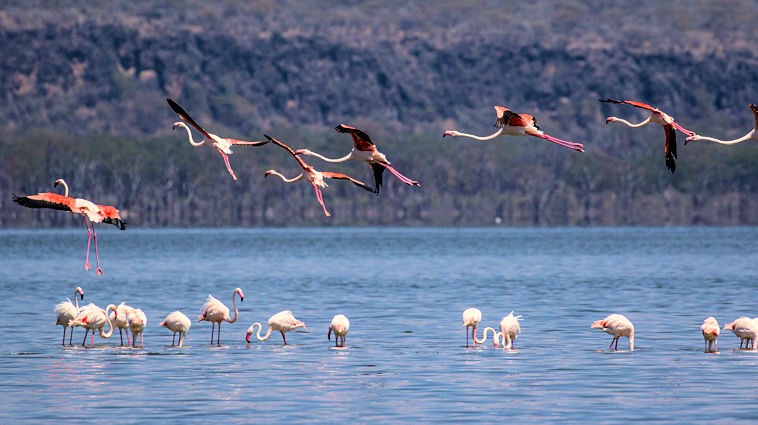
(66, 311)
(509, 330)
(215, 311)
(316, 178)
(340, 325)
(120, 319)
(363, 150)
(617, 325)
(656, 117)
(222, 145)
(91, 214)
(710, 330)
(283, 322)
(177, 322)
(137, 322)
(471, 318)
(510, 123)
(93, 317)
(746, 329)
(753, 134)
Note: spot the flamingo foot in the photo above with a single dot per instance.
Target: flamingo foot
(99, 272)
(87, 266)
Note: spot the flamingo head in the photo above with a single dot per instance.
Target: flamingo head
(59, 181)
(611, 119)
(693, 138)
(249, 332)
(451, 133)
(238, 291)
(80, 291)
(268, 173)
(302, 152)
(598, 324)
(177, 124)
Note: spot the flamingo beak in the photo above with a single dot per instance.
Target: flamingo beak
(247, 337)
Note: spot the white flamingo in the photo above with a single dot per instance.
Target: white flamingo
(215, 311)
(93, 317)
(339, 325)
(710, 331)
(509, 330)
(617, 325)
(746, 329)
(120, 319)
(177, 322)
(283, 322)
(66, 311)
(752, 134)
(471, 318)
(137, 322)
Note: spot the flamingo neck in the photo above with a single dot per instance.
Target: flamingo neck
(475, 137)
(234, 304)
(65, 186)
(189, 134)
(639, 124)
(484, 335)
(108, 321)
(631, 341)
(258, 334)
(323, 158)
(751, 135)
(285, 179)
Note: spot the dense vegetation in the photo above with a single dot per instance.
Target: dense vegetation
(86, 86)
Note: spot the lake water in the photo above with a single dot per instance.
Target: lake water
(404, 291)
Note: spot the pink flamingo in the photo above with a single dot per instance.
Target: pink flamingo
(617, 325)
(222, 145)
(656, 117)
(746, 329)
(66, 311)
(314, 177)
(137, 322)
(283, 322)
(215, 311)
(91, 213)
(363, 150)
(177, 322)
(509, 330)
(471, 318)
(120, 319)
(93, 317)
(752, 134)
(710, 330)
(510, 123)
(339, 325)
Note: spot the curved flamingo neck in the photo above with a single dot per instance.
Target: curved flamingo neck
(475, 137)
(639, 124)
(484, 335)
(323, 158)
(65, 186)
(258, 334)
(108, 321)
(189, 134)
(285, 179)
(750, 135)
(234, 304)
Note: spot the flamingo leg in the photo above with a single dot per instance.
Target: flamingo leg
(466, 337)
(571, 145)
(473, 336)
(226, 162)
(71, 336)
(142, 339)
(320, 198)
(92, 340)
(64, 336)
(87, 266)
(284, 337)
(181, 339)
(173, 338)
(84, 341)
(213, 328)
(397, 174)
(121, 334)
(97, 255)
(218, 335)
(683, 130)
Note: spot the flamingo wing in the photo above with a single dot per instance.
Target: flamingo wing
(633, 103)
(378, 171)
(506, 117)
(186, 117)
(246, 143)
(670, 148)
(361, 141)
(288, 149)
(46, 200)
(341, 176)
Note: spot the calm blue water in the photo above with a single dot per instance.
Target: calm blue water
(404, 291)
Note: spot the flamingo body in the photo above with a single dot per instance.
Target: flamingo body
(66, 311)
(93, 318)
(339, 325)
(284, 321)
(177, 322)
(746, 329)
(617, 325)
(710, 331)
(471, 318)
(120, 320)
(215, 311)
(509, 330)
(137, 322)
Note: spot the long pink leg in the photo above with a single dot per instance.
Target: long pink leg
(397, 174)
(683, 130)
(92, 341)
(228, 166)
(320, 199)
(97, 255)
(571, 145)
(89, 239)
(128, 342)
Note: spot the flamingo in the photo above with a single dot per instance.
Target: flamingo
(509, 330)
(66, 311)
(316, 178)
(222, 145)
(510, 123)
(283, 322)
(177, 322)
(753, 134)
(656, 117)
(471, 318)
(745, 329)
(339, 325)
(710, 330)
(215, 311)
(363, 150)
(120, 319)
(137, 322)
(91, 214)
(93, 317)
(495, 336)
(617, 325)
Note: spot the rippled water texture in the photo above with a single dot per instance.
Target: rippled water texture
(404, 291)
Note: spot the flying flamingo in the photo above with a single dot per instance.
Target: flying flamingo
(120, 320)
(222, 145)
(745, 329)
(471, 318)
(91, 214)
(316, 178)
(363, 150)
(510, 123)
(509, 330)
(339, 325)
(93, 317)
(753, 134)
(656, 117)
(66, 311)
(710, 330)
(617, 325)
(215, 311)
(137, 322)
(177, 322)
(283, 322)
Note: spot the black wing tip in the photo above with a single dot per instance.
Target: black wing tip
(609, 100)
(120, 224)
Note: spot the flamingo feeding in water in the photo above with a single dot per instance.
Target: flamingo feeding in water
(710, 331)
(656, 117)
(509, 330)
(91, 214)
(215, 311)
(137, 322)
(510, 123)
(66, 311)
(363, 150)
(753, 134)
(746, 329)
(316, 178)
(471, 318)
(120, 320)
(93, 317)
(177, 322)
(283, 322)
(617, 325)
(339, 325)
(222, 145)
